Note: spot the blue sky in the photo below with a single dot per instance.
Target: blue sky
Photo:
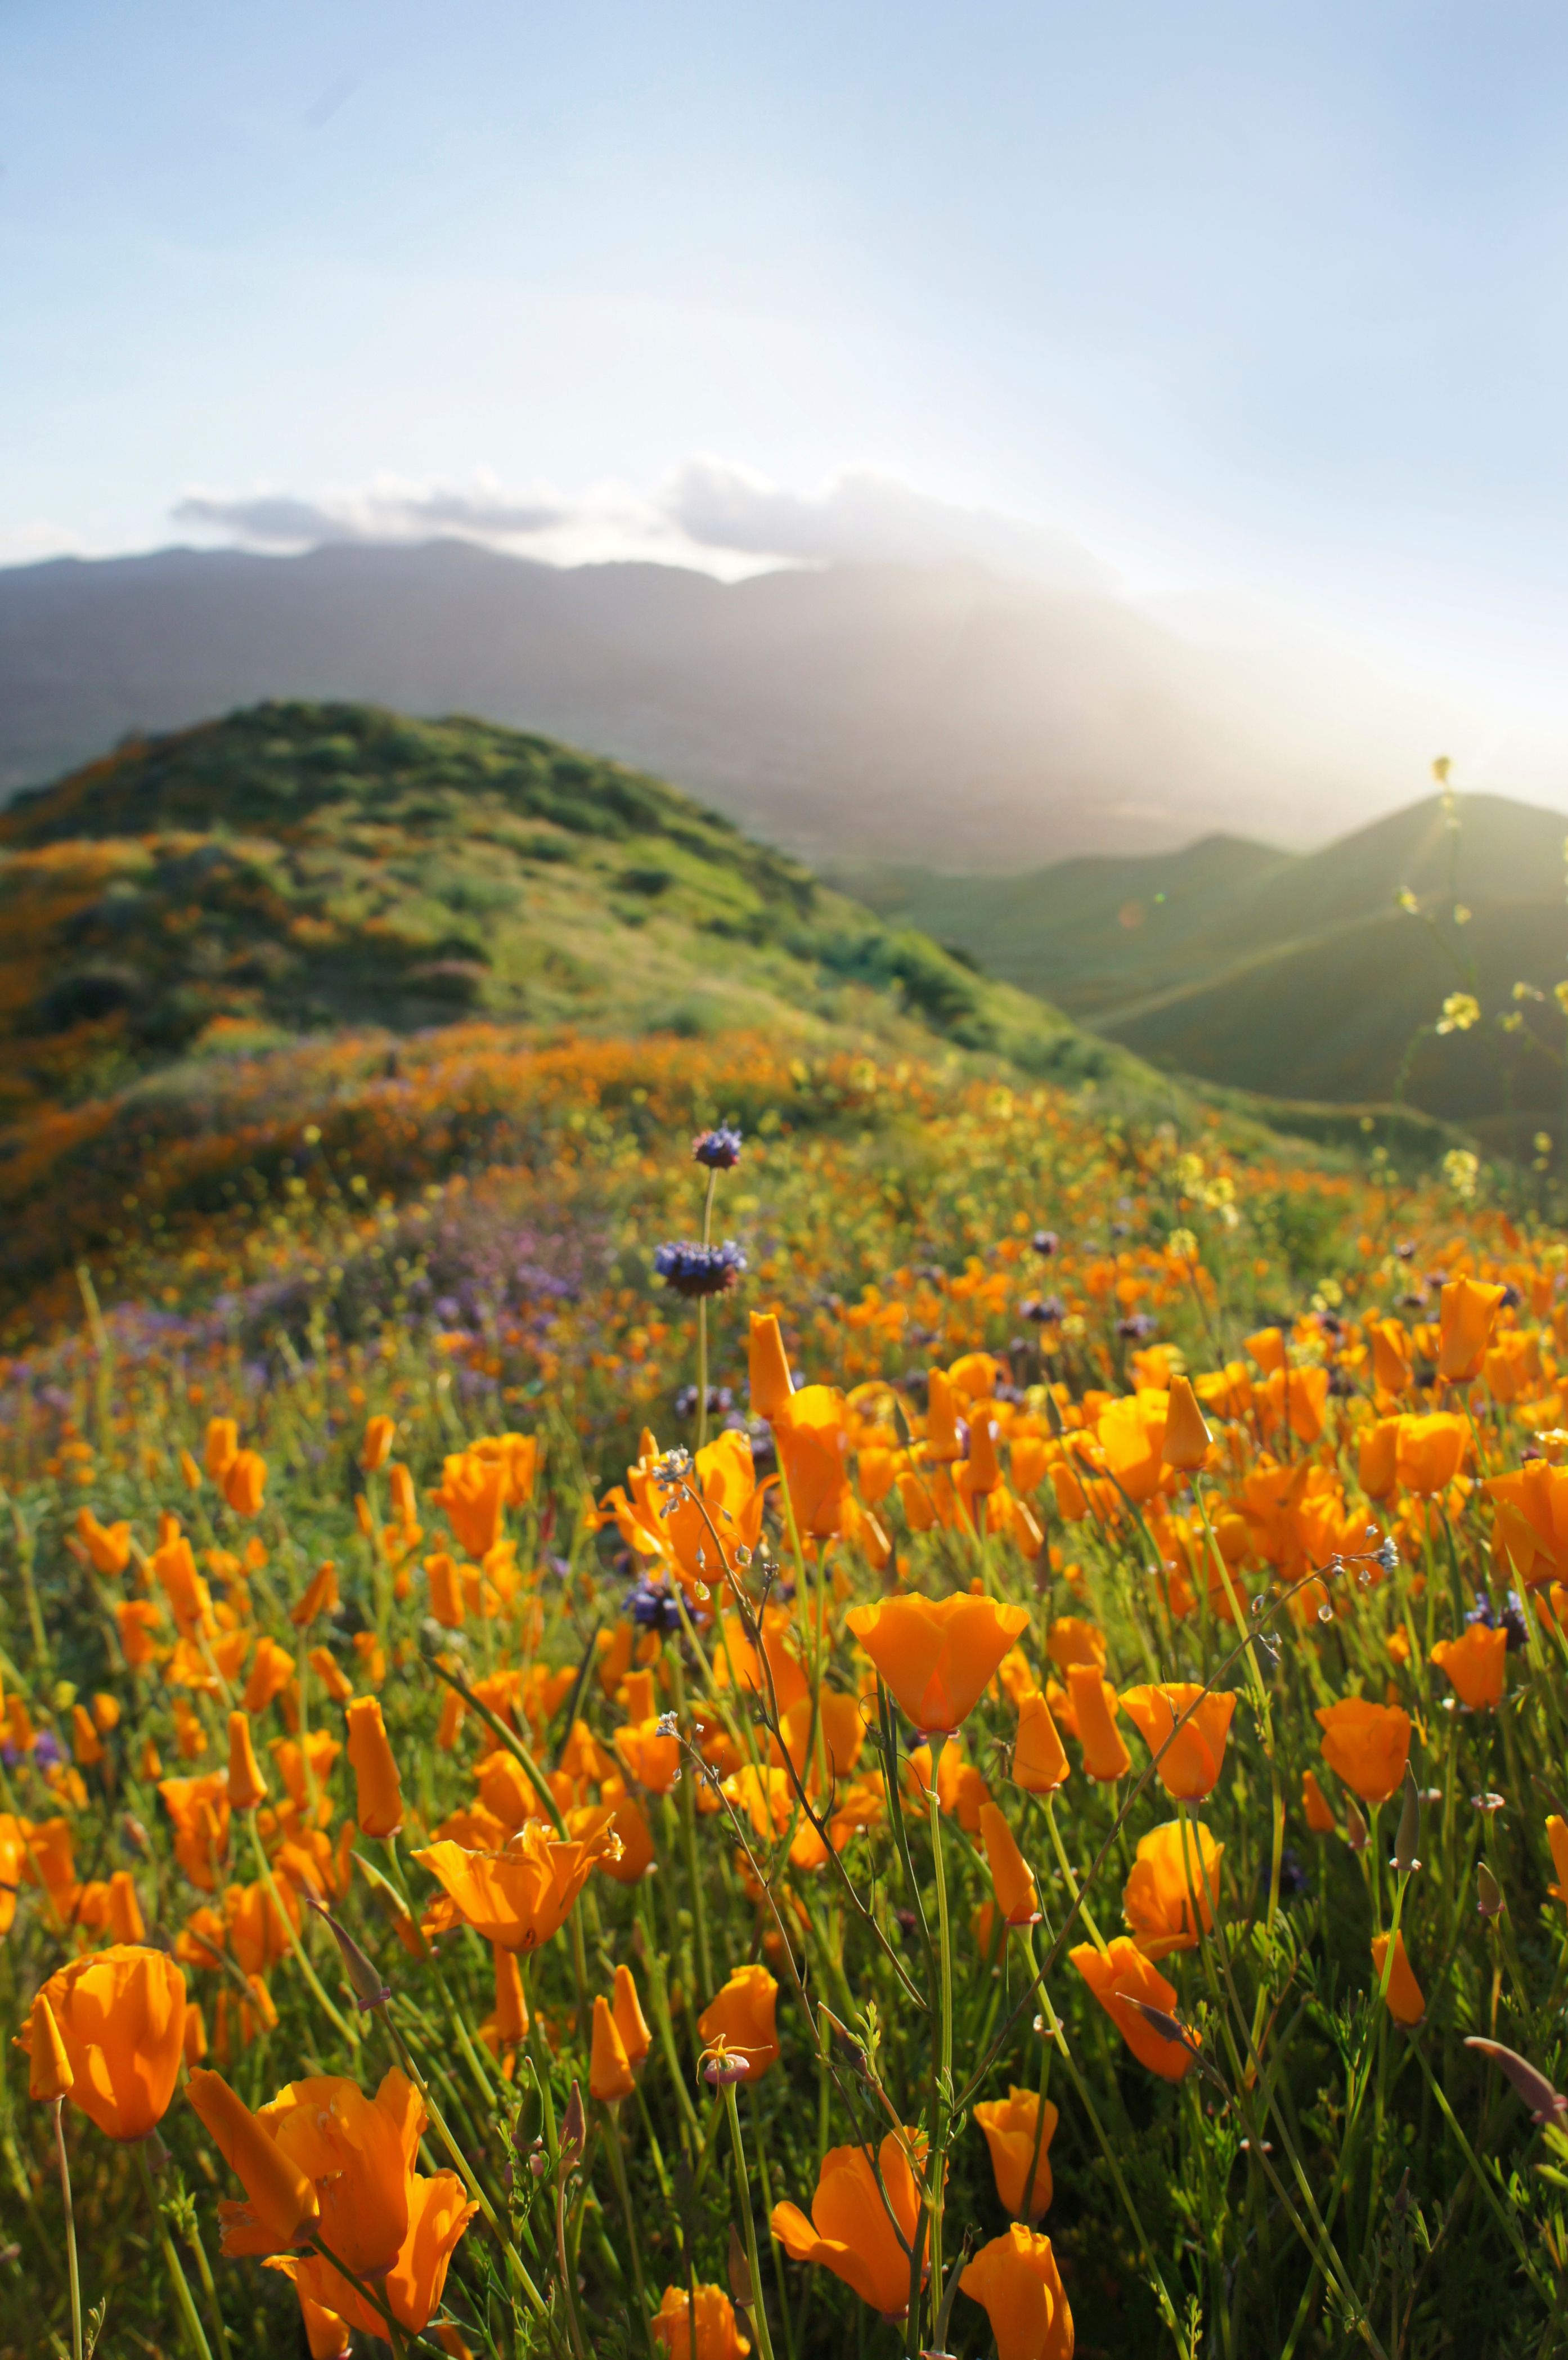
(1263, 299)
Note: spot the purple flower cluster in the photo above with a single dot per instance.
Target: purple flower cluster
(694, 1269)
(718, 1150)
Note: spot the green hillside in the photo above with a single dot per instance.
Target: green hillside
(297, 869)
(1302, 977)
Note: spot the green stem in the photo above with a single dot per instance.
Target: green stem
(942, 2093)
(177, 2279)
(350, 2032)
(759, 2309)
(69, 2231)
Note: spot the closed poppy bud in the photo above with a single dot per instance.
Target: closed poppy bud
(813, 1450)
(221, 1447)
(247, 1787)
(1185, 1728)
(1468, 1316)
(509, 2023)
(1406, 2005)
(1012, 1880)
(106, 1712)
(447, 1601)
(849, 2232)
(191, 1471)
(1018, 2141)
(1557, 1838)
(1015, 2280)
(937, 1656)
(1093, 1701)
(126, 1921)
(768, 1366)
(609, 2071)
(377, 1448)
(282, 2200)
(1366, 1744)
(1121, 1974)
(121, 2017)
(697, 2326)
(1476, 1665)
(245, 1482)
(195, 2041)
(1377, 1462)
(86, 1743)
(1391, 1357)
(378, 1805)
(319, 1596)
(742, 2018)
(270, 1676)
(330, 1674)
(984, 1474)
(1071, 1504)
(1040, 1760)
(636, 2037)
(1187, 1437)
(1319, 1818)
(942, 1418)
(51, 2075)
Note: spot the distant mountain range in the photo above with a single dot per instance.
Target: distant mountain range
(1303, 977)
(941, 715)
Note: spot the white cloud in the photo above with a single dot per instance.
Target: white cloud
(707, 512)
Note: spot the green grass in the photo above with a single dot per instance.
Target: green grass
(1297, 976)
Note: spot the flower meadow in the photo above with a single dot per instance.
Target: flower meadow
(685, 1703)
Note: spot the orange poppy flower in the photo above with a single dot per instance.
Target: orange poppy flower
(120, 2016)
(319, 1596)
(1012, 1879)
(1095, 1704)
(523, 1895)
(198, 1809)
(50, 2074)
(245, 1483)
(1468, 1315)
(282, 2205)
(704, 1540)
(1120, 1974)
(1174, 1864)
(768, 1367)
(1040, 1760)
(1187, 1441)
(1476, 1665)
(626, 2008)
(1366, 1744)
(849, 2231)
(1377, 1459)
(378, 1805)
(813, 1441)
(1315, 1803)
(936, 1656)
(108, 1546)
(1013, 2132)
(610, 2075)
(709, 2332)
(742, 2016)
(1405, 2001)
(1429, 1451)
(1070, 1640)
(1016, 2282)
(377, 1448)
(221, 1447)
(1130, 1432)
(472, 1496)
(137, 1619)
(1189, 1762)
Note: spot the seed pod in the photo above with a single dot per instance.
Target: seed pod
(1409, 1837)
(740, 2270)
(1544, 2101)
(1355, 1834)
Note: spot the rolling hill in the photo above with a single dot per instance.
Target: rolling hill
(1301, 976)
(938, 714)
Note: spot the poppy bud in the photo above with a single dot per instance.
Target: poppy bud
(609, 2068)
(768, 1366)
(52, 2076)
(739, 2269)
(1405, 1860)
(1355, 1832)
(247, 1787)
(1403, 1994)
(1039, 1759)
(1187, 1437)
(573, 2131)
(1545, 2103)
(377, 1448)
(1012, 1880)
(636, 2037)
(378, 1792)
(1489, 1892)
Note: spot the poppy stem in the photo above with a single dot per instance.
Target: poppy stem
(618, 2174)
(941, 2096)
(176, 2277)
(759, 2309)
(1066, 1866)
(69, 2231)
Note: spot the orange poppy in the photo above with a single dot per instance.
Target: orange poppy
(120, 2017)
(1117, 1976)
(1174, 1864)
(1476, 1665)
(1015, 2280)
(1366, 1744)
(1188, 1761)
(849, 2231)
(936, 1656)
(1014, 2132)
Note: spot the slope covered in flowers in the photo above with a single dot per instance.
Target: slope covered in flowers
(1001, 1826)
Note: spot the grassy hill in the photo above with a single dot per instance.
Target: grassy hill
(1302, 977)
(297, 869)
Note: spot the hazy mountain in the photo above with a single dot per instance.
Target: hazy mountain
(940, 714)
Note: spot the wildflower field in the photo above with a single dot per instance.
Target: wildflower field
(936, 1727)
